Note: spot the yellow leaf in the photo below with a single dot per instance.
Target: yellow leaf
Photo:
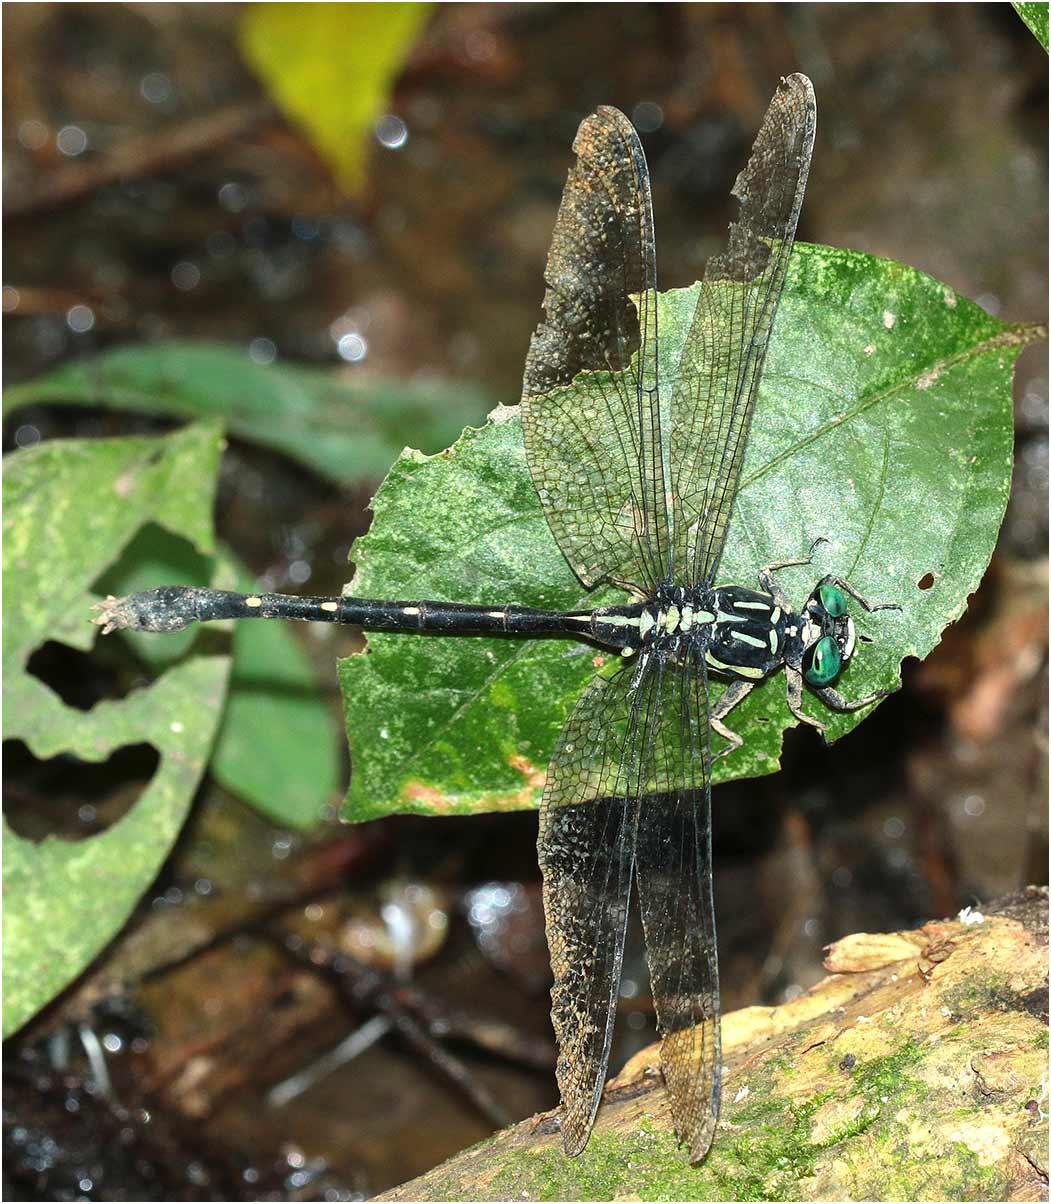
(331, 67)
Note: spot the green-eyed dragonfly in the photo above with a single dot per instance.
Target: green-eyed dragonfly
(637, 476)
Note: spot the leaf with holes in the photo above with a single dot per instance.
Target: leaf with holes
(278, 747)
(883, 424)
(69, 509)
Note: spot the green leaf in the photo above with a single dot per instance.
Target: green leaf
(1035, 16)
(459, 724)
(331, 67)
(344, 431)
(883, 424)
(277, 747)
(69, 508)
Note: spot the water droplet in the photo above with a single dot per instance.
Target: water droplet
(186, 276)
(352, 347)
(232, 197)
(391, 131)
(156, 87)
(71, 140)
(80, 318)
(262, 350)
(33, 135)
(647, 117)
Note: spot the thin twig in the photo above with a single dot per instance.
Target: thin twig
(155, 153)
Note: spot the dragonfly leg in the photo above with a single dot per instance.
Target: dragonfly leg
(847, 588)
(731, 696)
(766, 579)
(794, 691)
(835, 700)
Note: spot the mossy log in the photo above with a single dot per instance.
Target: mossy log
(917, 1070)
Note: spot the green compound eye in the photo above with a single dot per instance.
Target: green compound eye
(832, 600)
(822, 661)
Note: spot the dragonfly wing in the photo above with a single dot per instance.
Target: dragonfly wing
(722, 357)
(588, 819)
(595, 447)
(674, 872)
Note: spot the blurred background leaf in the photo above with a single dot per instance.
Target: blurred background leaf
(331, 68)
(345, 431)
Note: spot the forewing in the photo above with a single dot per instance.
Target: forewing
(674, 872)
(722, 359)
(588, 818)
(595, 447)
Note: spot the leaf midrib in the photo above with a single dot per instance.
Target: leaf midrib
(1013, 336)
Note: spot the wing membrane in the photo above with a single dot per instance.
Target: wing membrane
(674, 872)
(595, 448)
(722, 358)
(632, 769)
(586, 847)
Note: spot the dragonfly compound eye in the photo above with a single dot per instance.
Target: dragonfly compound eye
(833, 600)
(822, 661)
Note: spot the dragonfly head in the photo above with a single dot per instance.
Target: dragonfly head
(830, 636)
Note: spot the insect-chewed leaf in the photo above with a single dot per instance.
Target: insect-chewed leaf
(883, 423)
(69, 508)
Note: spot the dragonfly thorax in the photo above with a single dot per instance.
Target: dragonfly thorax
(735, 631)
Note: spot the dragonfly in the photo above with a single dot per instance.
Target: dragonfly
(637, 476)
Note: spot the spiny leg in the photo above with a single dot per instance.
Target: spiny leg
(731, 696)
(835, 700)
(766, 578)
(794, 692)
(847, 588)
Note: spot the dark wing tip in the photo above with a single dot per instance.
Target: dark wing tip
(596, 128)
(700, 1141)
(575, 1134)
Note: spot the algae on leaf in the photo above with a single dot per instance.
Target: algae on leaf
(883, 424)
